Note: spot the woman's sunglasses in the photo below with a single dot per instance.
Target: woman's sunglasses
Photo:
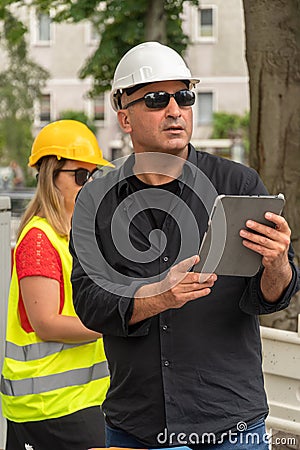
(160, 99)
(81, 175)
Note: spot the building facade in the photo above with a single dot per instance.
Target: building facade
(216, 54)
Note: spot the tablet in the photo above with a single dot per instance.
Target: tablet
(222, 251)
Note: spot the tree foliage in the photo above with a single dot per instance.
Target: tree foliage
(15, 139)
(22, 79)
(231, 126)
(80, 116)
(123, 24)
(228, 126)
(20, 84)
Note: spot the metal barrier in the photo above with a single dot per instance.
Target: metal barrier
(281, 366)
(5, 271)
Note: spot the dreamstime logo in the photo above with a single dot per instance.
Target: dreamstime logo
(241, 426)
(239, 437)
(97, 196)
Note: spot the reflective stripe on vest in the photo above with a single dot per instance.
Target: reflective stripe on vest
(36, 351)
(56, 381)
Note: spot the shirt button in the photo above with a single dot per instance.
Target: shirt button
(165, 327)
(166, 363)
(165, 258)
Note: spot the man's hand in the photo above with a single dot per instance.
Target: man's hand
(273, 245)
(179, 287)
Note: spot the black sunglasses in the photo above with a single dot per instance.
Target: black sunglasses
(81, 175)
(160, 99)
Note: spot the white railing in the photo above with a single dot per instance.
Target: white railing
(281, 366)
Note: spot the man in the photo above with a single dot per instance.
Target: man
(18, 175)
(183, 350)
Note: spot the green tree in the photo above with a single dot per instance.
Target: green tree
(20, 84)
(80, 116)
(16, 139)
(123, 24)
(231, 126)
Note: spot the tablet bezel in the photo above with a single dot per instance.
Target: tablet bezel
(222, 251)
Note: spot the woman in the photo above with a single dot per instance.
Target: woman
(55, 373)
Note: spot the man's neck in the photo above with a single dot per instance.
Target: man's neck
(158, 168)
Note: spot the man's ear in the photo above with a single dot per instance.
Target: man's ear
(124, 121)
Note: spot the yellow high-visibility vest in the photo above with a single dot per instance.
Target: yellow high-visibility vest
(42, 380)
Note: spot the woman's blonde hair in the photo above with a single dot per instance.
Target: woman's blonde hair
(48, 201)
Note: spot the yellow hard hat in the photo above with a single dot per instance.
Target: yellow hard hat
(68, 139)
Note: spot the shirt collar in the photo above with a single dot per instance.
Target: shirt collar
(189, 170)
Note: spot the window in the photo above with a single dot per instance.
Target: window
(41, 28)
(205, 108)
(206, 28)
(45, 108)
(206, 22)
(99, 107)
(44, 30)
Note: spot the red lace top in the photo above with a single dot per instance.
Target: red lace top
(36, 256)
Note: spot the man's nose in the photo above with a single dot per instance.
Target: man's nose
(172, 108)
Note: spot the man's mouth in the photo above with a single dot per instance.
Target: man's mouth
(174, 128)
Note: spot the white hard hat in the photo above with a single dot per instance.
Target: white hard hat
(147, 63)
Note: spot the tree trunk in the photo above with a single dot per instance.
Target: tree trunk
(273, 57)
(156, 21)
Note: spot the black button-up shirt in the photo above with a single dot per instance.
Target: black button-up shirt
(191, 370)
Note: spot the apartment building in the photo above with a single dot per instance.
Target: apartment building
(216, 54)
